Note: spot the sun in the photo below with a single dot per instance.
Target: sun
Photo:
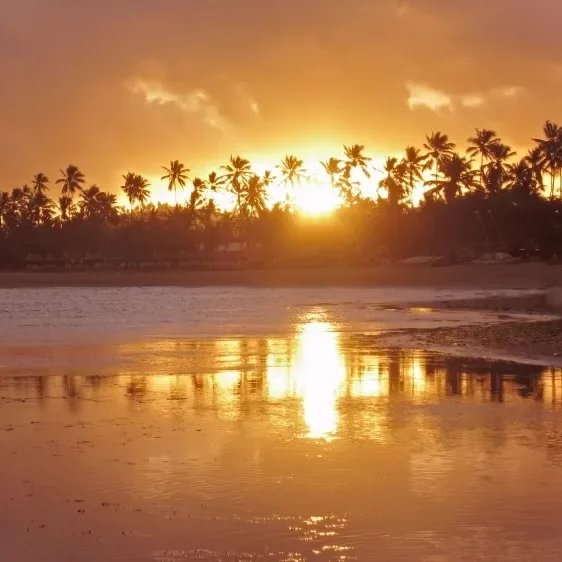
(316, 198)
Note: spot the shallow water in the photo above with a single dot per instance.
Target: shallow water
(300, 441)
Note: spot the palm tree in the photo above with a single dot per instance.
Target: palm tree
(40, 182)
(267, 179)
(88, 203)
(438, 148)
(356, 159)
(482, 144)
(536, 162)
(495, 171)
(214, 182)
(41, 208)
(197, 194)
(136, 188)
(72, 181)
(413, 164)
(129, 187)
(107, 206)
(255, 197)
(292, 170)
(333, 168)
(142, 192)
(393, 182)
(97, 204)
(238, 171)
(458, 175)
(551, 148)
(176, 174)
(520, 177)
(66, 207)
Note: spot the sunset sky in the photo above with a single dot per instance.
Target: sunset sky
(126, 85)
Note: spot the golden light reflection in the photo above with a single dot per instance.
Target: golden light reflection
(313, 372)
(320, 372)
(417, 374)
(373, 380)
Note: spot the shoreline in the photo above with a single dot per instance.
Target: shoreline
(475, 276)
(536, 341)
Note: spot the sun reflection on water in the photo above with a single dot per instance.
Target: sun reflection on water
(319, 369)
(321, 381)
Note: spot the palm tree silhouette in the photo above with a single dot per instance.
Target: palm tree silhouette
(267, 179)
(142, 192)
(129, 187)
(238, 171)
(214, 182)
(255, 197)
(41, 208)
(438, 147)
(196, 197)
(292, 173)
(72, 181)
(520, 177)
(107, 206)
(292, 170)
(413, 164)
(136, 188)
(393, 182)
(97, 204)
(495, 171)
(458, 175)
(536, 162)
(88, 201)
(482, 144)
(66, 207)
(40, 182)
(176, 174)
(551, 149)
(333, 168)
(356, 159)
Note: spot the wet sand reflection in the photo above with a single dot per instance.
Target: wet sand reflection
(313, 446)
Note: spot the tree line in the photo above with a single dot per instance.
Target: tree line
(486, 196)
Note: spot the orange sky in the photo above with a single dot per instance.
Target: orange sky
(129, 85)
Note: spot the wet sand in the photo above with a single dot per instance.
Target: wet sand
(180, 425)
(529, 275)
(373, 455)
(537, 339)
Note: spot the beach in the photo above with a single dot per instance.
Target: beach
(536, 341)
(286, 423)
(525, 275)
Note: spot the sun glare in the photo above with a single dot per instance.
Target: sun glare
(313, 196)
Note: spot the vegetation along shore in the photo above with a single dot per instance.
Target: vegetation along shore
(433, 200)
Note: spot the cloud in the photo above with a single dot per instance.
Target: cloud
(422, 95)
(312, 79)
(473, 101)
(197, 102)
(507, 92)
(247, 100)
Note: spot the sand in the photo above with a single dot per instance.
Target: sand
(539, 342)
(536, 339)
(529, 275)
(366, 455)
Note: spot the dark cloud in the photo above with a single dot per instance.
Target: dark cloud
(115, 85)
